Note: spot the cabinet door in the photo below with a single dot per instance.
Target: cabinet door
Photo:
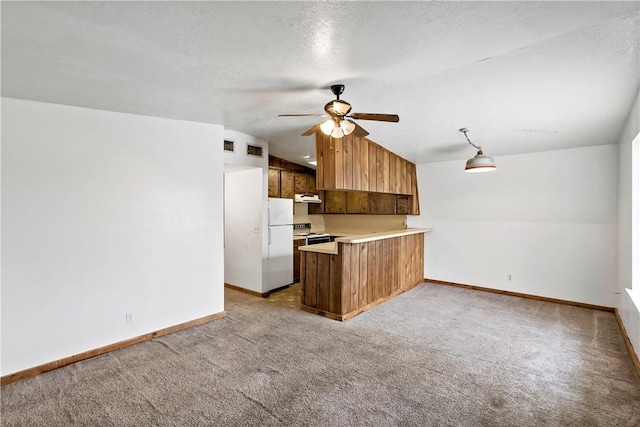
(311, 183)
(296, 258)
(335, 202)
(357, 202)
(286, 184)
(317, 208)
(300, 182)
(382, 204)
(274, 182)
(402, 205)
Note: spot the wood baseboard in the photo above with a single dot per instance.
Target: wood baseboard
(247, 291)
(627, 342)
(32, 372)
(522, 295)
(343, 317)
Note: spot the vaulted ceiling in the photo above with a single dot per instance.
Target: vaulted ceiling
(523, 76)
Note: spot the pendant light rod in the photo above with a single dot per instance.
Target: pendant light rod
(464, 131)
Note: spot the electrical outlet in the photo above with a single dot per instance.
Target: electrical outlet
(128, 318)
(508, 277)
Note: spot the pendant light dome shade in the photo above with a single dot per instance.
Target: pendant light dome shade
(479, 163)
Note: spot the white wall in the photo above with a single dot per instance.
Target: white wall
(629, 311)
(240, 157)
(549, 219)
(104, 213)
(243, 209)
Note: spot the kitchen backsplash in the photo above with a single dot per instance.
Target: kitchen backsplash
(357, 224)
(301, 213)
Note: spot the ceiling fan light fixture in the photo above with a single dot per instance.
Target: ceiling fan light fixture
(347, 126)
(327, 127)
(341, 107)
(337, 132)
(480, 162)
(340, 123)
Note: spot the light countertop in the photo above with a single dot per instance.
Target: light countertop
(332, 247)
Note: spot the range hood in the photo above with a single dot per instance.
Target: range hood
(306, 198)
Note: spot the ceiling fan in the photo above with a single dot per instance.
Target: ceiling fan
(340, 123)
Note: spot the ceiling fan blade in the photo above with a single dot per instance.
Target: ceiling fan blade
(312, 130)
(359, 131)
(302, 115)
(378, 117)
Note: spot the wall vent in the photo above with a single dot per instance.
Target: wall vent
(254, 150)
(228, 145)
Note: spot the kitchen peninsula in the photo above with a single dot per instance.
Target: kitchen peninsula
(354, 273)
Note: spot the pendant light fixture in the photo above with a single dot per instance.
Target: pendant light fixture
(479, 163)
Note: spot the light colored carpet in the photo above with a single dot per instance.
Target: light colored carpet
(433, 356)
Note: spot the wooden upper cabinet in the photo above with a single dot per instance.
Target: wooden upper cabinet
(317, 208)
(311, 184)
(300, 182)
(382, 204)
(286, 184)
(274, 182)
(335, 202)
(287, 178)
(402, 204)
(357, 202)
(358, 164)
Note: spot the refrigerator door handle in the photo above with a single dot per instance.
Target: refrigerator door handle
(269, 235)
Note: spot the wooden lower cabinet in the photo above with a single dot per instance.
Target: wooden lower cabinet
(360, 275)
(296, 258)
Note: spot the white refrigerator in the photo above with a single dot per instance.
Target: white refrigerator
(279, 266)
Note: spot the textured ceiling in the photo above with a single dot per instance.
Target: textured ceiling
(523, 76)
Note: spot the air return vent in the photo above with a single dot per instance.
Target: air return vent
(254, 150)
(228, 145)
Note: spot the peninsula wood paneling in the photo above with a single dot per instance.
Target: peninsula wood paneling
(414, 205)
(373, 164)
(404, 187)
(359, 164)
(347, 162)
(379, 169)
(361, 275)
